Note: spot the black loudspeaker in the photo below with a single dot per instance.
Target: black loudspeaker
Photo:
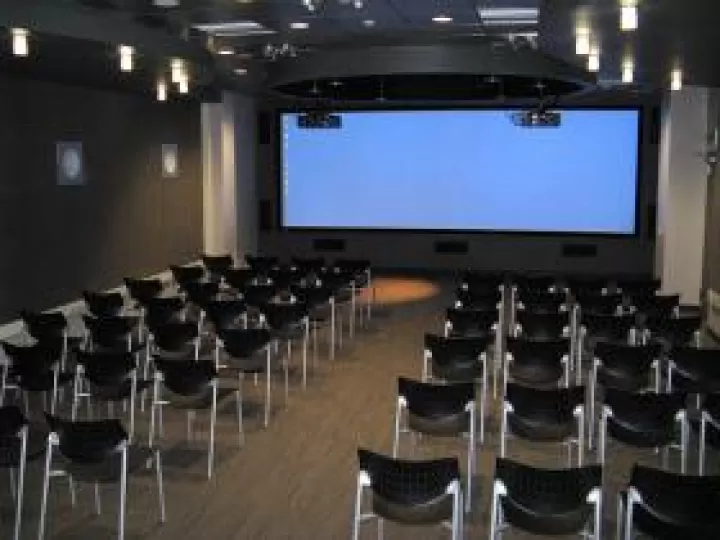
(451, 247)
(265, 215)
(264, 127)
(579, 250)
(651, 222)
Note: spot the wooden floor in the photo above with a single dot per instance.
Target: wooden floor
(296, 479)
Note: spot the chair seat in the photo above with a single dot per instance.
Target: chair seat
(639, 432)
(460, 369)
(434, 510)
(622, 379)
(540, 428)
(546, 515)
(442, 425)
(109, 470)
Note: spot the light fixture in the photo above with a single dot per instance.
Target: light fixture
(676, 79)
(368, 23)
(20, 44)
(226, 51)
(184, 85)
(582, 41)
(299, 25)
(628, 16)
(593, 61)
(126, 53)
(442, 18)
(358, 4)
(177, 70)
(240, 71)
(162, 90)
(628, 70)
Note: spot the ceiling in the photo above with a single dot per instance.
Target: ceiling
(671, 33)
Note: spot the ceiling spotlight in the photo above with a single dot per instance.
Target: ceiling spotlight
(20, 42)
(593, 62)
(358, 4)
(582, 41)
(184, 85)
(240, 71)
(177, 70)
(442, 18)
(162, 90)
(126, 53)
(368, 23)
(676, 79)
(628, 71)
(299, 25)
(226, 51)
(628, 16)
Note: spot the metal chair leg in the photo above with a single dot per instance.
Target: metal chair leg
(123, 492)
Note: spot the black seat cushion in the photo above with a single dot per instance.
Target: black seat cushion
(456, 358)
(543, 415)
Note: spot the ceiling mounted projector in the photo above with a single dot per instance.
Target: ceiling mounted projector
(319, 120)
(536, 118)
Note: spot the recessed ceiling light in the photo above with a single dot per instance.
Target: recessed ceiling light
(299, 25)
(369, 22)
(126, 53)
(240, 71)
(676, 79)
(582, 41)
(20, 45)
(335, 83)
(593, 61)
(628, 70)
(628, 17)
(442, 18)
(226, 51)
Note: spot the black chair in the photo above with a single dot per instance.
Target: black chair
(624, 367)
(694, 370)
(537, 363)
(546, 502)
(673, 331)
(19, 444)
(174, 340)
(239, 278)
(444, 410)
(104, 304)
(409, 492)
(163, 310)
(142, 290)
(541, 326)
(99, 452)
(186, 274)
(525, 286)
(359, 273)
(247, 351)
(35, 368)
(480, 282)
(669, 506)
(49, 326)
(656, 306)
(586, 285)
(542, 302)
(601, 304)
(483, 300)
(638, 286)
(226, 313)
(645, 421)
(288, 321)
(112, 333)
(709, 427)
(200, 293)
(108, 377)
(258, 294)
(217, 265)
(261, 264)
(192, 386)
(556, 415)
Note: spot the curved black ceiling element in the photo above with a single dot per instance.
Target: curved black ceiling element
(436, 72)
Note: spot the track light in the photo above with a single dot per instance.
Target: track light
(126, 53)
(582, 41)
(628, 71)
(676, 82)
(628, 16)
(20, 42)
(162, 90)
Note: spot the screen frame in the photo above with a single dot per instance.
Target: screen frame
(280, 180)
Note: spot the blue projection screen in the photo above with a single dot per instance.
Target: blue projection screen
(462, 170)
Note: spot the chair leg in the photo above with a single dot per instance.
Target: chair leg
(306, 338)
(20, 484)
(239, 404)
(702, 443)
(503, 431)
(46, 489)
(380, 528)
(629, 519)
(494, 511)
(356, 516)
(160, 489)
(267, 390)
(211, 437)
(123, 492)
(98, 505)
(483, 403)
(619, 518)
(396, 438)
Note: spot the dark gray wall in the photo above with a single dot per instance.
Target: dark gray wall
(128, 220)
(487, 251)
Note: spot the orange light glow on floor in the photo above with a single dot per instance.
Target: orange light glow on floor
(400, 290)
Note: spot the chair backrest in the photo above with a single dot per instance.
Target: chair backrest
(638, 286)
(586, 286)
(141, 290)
(481, 282)
(103, 304)
(201, 292)
(175, 337)
(44, 325)
(645, 420)
(700, 368)
(12, 421)
(557, 403)
(38, 358)
(110, 332)
(612, 327)
(163, 310)
(548, 325)
(600, 304)
(242, 343)
(87, 442)
(635, 360)
(530, 286)
(548, 352)
(224, 313)
(106, 369)
(471, 321)
(262, 264)
(186, 274)
(187, 377)
(456, 358)
(436, 401)
(217, 264)
(481, 300)
(676, 331)
(408, 482)
(541, 302)
(282, 314)
(656, 305)
(239, 278)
